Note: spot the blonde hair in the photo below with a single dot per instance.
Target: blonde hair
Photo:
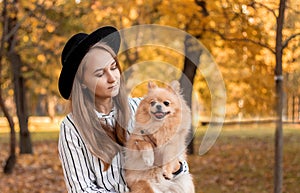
(102, 140)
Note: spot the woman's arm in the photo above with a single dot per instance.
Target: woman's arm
(78, 174)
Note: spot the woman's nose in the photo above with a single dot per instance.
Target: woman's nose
(110, 77)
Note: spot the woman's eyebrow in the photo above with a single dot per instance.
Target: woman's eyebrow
(98, 70)
(101, 69)
(113, 63)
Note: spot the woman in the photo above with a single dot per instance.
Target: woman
(101, 117)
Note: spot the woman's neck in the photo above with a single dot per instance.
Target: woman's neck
(104, 106)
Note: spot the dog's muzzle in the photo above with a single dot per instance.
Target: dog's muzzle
(160, 114)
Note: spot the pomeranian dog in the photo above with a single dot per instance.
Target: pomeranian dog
(158, 143)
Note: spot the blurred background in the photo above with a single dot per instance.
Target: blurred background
(254, 43)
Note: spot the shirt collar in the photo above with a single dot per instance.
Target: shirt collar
(111, 114)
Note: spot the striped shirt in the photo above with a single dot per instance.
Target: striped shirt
(84, 172)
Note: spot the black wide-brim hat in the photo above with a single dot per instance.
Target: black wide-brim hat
(76, 48)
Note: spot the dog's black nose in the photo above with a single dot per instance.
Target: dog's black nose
(158, 107)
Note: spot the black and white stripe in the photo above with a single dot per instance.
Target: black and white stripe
(83, 171)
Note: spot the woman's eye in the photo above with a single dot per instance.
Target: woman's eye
(113, 66)
(99, 75)
(166, 103)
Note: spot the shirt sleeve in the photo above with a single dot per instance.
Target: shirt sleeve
(133, 104)
(78, 175)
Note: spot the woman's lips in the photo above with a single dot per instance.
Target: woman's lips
(113, 87)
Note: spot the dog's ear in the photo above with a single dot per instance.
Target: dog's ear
(175, 86)
(151, 85)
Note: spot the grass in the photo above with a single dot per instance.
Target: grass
(35, 136)
(241, 160)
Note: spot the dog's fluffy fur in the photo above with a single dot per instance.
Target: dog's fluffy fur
(158, 143)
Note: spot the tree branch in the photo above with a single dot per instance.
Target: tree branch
(15, 29)
(37, 71)
(30, 13)
(242, 40)
(294, 10)
(252, 4)
(286, 42)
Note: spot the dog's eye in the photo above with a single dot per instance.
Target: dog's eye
(152, 103)
(166, 103)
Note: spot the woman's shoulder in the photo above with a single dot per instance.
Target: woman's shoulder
(133, 104)
(68, 120)
(69, 124)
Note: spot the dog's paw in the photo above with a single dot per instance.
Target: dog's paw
(148, 157)
(167, 175)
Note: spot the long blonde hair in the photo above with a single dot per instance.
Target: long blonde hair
(102, 140)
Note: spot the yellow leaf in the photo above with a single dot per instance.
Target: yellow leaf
(50, 28)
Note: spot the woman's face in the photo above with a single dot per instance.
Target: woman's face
(101, 75)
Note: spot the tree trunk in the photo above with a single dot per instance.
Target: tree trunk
(278, 140)
(20, 100)
(298, 109)
(293, 108)
(279, 102)
(11, 160)
(18, 81)
(191, 62)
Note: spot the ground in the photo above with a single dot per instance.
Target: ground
(240, 161)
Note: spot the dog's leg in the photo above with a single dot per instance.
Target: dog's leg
(170, 168)
(148, 157)
(141, 187)
(146, 151)
(184, 183)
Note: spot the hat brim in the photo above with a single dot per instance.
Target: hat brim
(107, 34)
